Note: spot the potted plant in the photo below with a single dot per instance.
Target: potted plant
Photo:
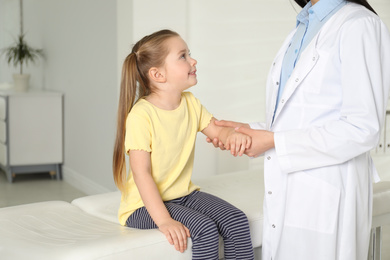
(19, 54)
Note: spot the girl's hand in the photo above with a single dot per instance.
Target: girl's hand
(216, 142)
(237, 143)
(176, 233)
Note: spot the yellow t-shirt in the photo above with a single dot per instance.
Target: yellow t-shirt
(169, 136)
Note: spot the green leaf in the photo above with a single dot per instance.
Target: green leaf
(21, 53)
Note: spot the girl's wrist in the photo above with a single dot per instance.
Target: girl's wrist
(162, 220)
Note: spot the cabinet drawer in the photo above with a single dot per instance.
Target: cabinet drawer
(3, 108)
(3, 132)
(3, 154)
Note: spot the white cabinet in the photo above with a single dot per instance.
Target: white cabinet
(31, 132)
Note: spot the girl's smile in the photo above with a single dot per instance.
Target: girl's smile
(180, 67)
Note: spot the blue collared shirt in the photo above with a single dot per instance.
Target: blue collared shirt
(309, 22)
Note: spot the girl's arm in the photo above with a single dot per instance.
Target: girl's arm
(231, 140)
(175, 232)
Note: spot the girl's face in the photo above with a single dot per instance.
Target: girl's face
(179, 67)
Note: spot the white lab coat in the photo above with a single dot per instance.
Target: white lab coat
(318, 179)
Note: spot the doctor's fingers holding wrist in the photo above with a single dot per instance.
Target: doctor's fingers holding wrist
(262, 141)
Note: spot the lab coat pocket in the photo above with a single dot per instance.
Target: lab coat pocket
(312, 203)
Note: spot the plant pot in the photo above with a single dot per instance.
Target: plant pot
(21, 82)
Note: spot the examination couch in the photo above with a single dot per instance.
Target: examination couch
(87, 228)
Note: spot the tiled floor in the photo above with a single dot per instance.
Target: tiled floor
(31, 188)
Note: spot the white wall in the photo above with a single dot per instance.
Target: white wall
(80, 39)
(86, 42)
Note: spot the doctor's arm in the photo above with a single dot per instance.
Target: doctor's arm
(175, 232)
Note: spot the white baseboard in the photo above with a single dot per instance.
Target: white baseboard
(82, 183)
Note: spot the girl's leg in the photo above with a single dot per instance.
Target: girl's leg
(232, 223)
(204, 232)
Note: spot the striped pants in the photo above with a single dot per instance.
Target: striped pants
(207, 217)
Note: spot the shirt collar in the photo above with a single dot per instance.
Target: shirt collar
(321, 9)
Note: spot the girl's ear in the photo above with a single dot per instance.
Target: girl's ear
(157, 75)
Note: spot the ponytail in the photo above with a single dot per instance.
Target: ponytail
(127, 96)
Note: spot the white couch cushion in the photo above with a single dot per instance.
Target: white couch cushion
(57, 230)
(104, 206)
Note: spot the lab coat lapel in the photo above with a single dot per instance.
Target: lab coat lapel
(273, 94)
(305, 64)
(275, 79)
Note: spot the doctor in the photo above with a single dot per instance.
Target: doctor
(327, 92)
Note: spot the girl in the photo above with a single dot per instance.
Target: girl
(327, 94)
(157, 126)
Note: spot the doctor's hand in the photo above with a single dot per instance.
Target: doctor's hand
(223, 123)
(262, 141)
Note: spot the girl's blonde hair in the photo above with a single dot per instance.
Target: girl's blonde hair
(149, 52)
